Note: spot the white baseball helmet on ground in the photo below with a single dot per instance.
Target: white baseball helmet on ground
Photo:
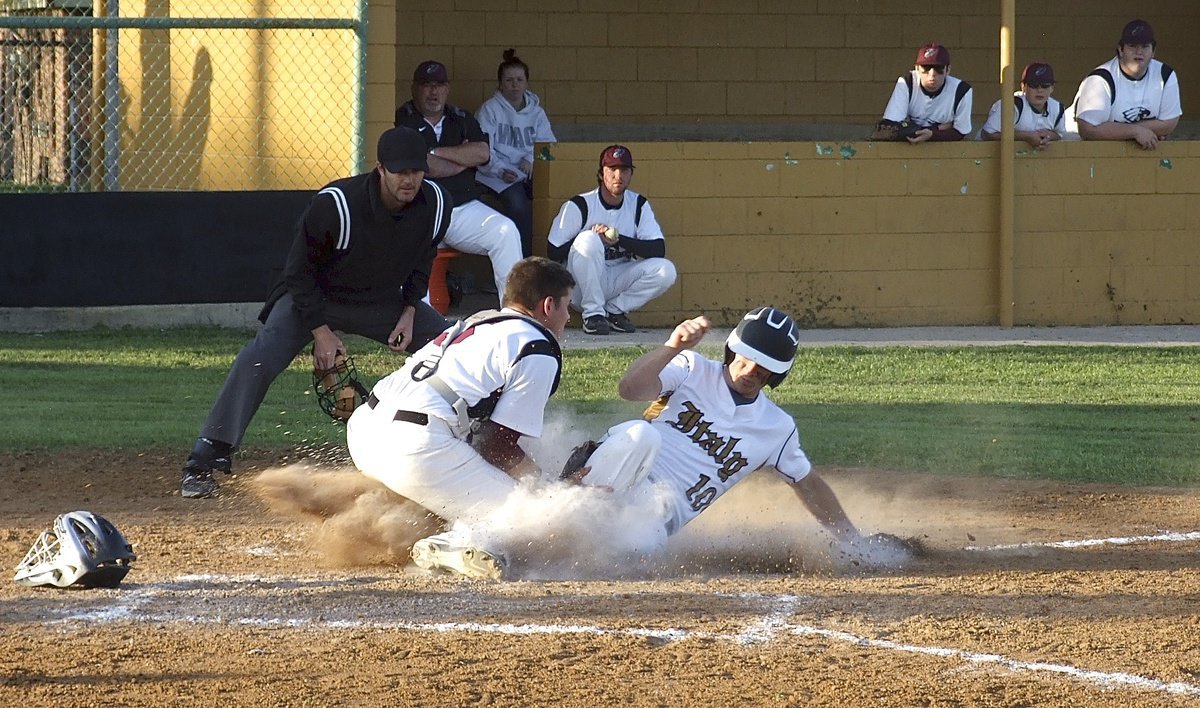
(81, 548)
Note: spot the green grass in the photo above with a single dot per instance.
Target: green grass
(1107, 414)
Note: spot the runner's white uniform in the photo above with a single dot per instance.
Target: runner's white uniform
(706, 442)
(433, 464)
(1155, 96)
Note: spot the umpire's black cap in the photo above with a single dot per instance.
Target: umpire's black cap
(402, 148)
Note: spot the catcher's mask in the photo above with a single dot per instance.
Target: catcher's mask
(767, 337)
(338, 389)
(81, 548)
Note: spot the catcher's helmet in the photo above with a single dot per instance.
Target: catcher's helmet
(81, 548)
(767, 337)
(338, 389)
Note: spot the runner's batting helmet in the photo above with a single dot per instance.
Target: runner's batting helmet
(81, 548)
(767, 337)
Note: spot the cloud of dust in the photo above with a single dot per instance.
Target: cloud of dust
(550, 530)
(360, 522)
(557, 531)
(762, 526)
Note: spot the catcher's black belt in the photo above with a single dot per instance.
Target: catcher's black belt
(406, 416)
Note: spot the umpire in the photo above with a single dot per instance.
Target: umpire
(360, 263)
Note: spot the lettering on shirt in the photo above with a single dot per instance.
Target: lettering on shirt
(513, 135)
(723, 450)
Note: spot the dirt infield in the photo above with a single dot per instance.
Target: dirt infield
(1030, 594)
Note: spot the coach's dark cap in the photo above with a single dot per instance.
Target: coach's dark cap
(616, 156)
(933, 55)
(431, 72)
(1037, 73)
(1138, 32)
(402, 148)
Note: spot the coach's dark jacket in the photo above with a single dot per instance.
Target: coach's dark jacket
(458, 126)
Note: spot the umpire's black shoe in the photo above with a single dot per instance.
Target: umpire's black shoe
(619, 322)
(596, 324)
(198, 482)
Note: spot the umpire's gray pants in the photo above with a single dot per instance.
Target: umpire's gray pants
(284, 336)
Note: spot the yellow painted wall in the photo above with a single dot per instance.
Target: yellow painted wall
(863, 234)
(774, 61)
(236, 109)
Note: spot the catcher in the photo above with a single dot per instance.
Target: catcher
(359, 263)
(443, 431)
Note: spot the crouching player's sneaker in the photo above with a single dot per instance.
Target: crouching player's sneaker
(439, 552)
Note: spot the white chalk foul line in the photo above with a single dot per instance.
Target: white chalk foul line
(1166, 537)
(764, 630)
(1104, 679)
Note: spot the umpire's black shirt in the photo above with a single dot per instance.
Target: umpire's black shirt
(349, 249)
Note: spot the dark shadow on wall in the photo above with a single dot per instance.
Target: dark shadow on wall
(166, 150)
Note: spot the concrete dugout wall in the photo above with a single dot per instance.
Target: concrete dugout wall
(883, 234)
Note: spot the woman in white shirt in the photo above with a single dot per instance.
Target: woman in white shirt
(514, 120)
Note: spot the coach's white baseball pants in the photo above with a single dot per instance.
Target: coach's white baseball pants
(477, 228)
(425, 463)
(613, 286)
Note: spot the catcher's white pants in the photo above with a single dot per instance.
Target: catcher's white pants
(617, 285)
(426, 463)
(477, 228)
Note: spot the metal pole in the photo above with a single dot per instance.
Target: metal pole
(357, 158)
(1008, 25)
(112, 99)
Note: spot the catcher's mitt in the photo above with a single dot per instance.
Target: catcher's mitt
(338, 389)
(892, 130)
(576, 460)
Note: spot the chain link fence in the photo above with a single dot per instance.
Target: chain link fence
(234, 96)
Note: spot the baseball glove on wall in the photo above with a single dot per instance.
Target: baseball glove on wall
(891, 130)
(338, 389)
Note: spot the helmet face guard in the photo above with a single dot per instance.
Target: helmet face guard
(81, 549)
(768, 337)
(338, 389)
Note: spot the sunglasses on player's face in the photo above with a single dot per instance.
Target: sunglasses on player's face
(1039, 86)
(936, 68)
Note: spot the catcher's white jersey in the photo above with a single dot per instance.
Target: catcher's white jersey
(482, 361)
(709, 443)
(1126, 100)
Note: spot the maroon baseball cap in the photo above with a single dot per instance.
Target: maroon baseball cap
(1137, 32)
(431, 72)
(933, 55)
(1037, 73)
(616, 156)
